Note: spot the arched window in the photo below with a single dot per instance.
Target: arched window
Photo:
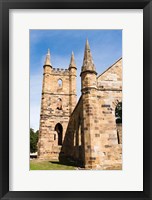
(59, 130)
(118, 115)
(60, 83)
(59, 104)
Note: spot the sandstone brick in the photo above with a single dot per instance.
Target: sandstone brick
(89, 131)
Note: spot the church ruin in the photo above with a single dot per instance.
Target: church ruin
(86, 131)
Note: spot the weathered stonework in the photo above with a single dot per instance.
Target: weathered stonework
(85, 131)
(58, 101)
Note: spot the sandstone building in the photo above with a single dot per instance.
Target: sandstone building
(85, 131)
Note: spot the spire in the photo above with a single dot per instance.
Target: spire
(72, 61)
(48, 58)
(87, 45)
(88, 61)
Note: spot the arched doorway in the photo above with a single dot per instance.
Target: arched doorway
(59, 130)
(118, 115)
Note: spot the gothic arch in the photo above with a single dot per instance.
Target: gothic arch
(60, 83)
(59, 130)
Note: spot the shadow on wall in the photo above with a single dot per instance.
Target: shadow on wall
(72, 151)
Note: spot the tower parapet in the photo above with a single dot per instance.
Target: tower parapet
(60, 71)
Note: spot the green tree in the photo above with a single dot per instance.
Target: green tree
(118, 113)
(33, 140)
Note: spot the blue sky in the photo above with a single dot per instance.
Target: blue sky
(106, 48)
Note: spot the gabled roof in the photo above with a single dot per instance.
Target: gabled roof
(109, 67)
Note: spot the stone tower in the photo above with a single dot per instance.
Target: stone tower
(90, 110)
(57, 104)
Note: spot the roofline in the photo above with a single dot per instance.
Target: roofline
(109, 67)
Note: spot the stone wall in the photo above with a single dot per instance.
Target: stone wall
(86, 133)
(73, 144)
(93, 138)
(56, 106)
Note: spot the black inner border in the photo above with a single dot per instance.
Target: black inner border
(5, 5)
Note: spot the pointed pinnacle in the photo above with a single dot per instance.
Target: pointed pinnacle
(87, 46)
(48, 52)
(87, 54)
(72, 57)
(72, 61)
(48, 58)
(87, 60)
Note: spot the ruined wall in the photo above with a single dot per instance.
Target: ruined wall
(109, 95)
(93, 138)
(73, 144)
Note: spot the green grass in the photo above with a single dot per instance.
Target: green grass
(36, 164)
(49, 165)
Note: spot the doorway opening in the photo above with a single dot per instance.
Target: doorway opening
(59, 130)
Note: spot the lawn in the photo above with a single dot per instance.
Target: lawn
(36, 164)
